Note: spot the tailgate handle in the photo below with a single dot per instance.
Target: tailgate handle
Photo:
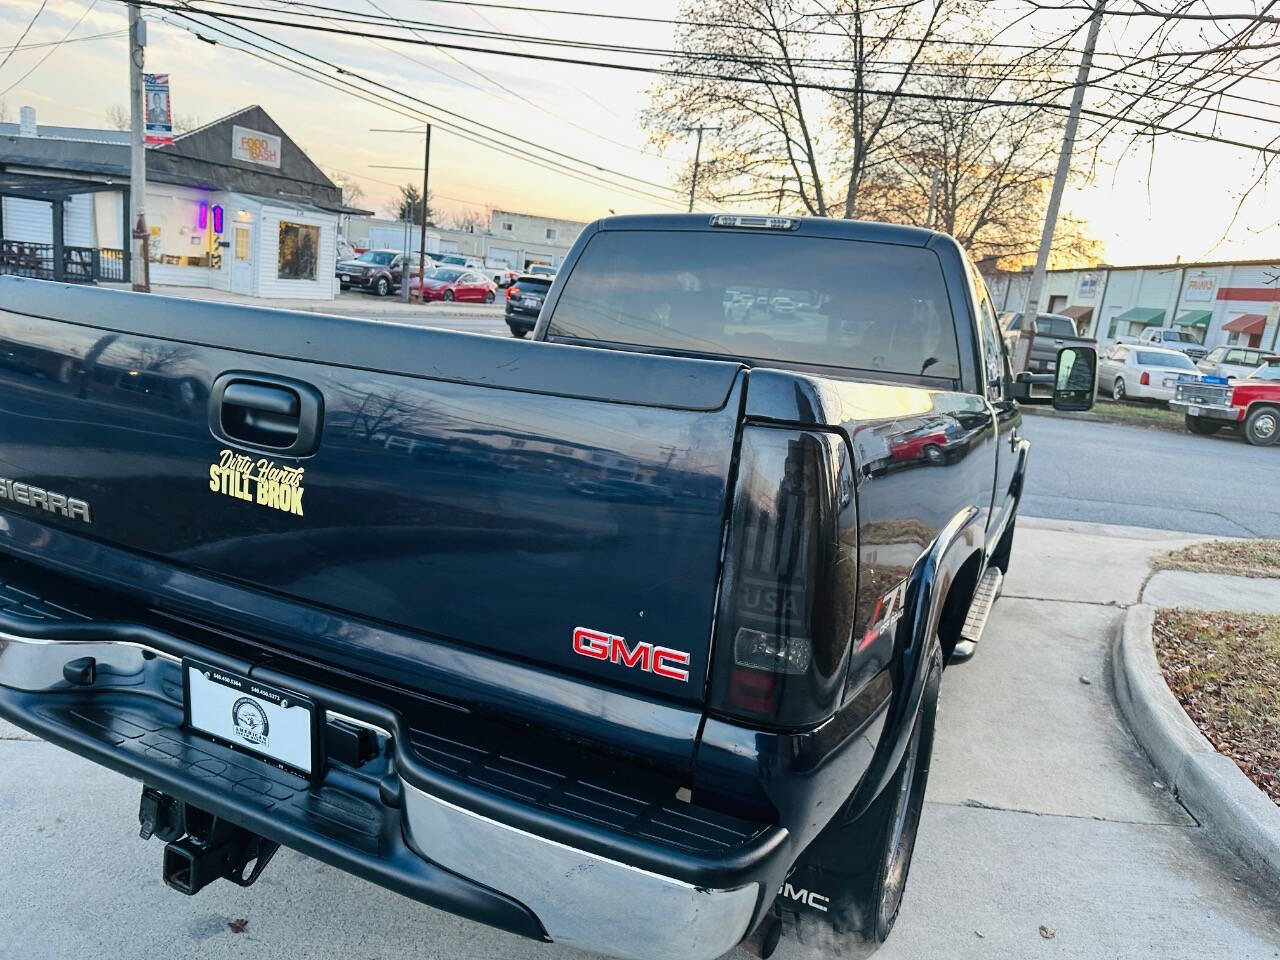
(262, 411)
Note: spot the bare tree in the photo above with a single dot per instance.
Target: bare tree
(470, 219)
(118, 119)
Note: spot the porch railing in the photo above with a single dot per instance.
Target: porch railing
(79, 264)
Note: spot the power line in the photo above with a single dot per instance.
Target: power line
(979, 102)
(55, 43)
(30, 23)
(56, 47)
(405, 110)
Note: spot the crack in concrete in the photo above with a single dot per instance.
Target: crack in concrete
(980, 805)
(1115, 604)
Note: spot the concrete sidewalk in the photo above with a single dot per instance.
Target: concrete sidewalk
(1042, 811)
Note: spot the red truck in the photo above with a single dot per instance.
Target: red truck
(1251, 403)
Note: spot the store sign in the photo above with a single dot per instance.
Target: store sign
(158, 119)
(1200, 287)
(1088, 286)
(253, 146)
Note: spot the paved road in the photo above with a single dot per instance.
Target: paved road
(1041, 811)
(1108, 473)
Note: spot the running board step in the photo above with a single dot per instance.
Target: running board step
(984, 599)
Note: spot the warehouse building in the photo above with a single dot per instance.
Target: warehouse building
(1235, 303)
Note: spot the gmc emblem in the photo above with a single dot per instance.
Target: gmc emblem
(651, 659)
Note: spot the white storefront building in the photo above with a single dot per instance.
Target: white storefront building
(233, 205)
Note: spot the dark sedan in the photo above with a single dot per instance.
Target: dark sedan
(524, 302)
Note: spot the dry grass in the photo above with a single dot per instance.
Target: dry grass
(1224, 668)
(1244, 558)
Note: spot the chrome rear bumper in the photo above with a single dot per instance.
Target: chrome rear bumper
(578, 897)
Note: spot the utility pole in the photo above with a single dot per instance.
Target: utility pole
(140, 272)
(697, 158)
(422, 243)
(934, 182)
(1029, 306)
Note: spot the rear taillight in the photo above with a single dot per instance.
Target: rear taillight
(513, 291)
(1145, 379)
(786, 607)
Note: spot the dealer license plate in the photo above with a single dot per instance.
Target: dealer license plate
(1193, 410)
(275, 724)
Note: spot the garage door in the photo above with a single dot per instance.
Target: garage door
(504, 255)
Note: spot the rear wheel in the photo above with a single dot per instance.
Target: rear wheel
(1202, 426)
(1117, 390)
(933, 453)
(1262, 426)
(861, 866)
(488, 296)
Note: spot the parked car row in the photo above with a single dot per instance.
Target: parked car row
(447, 277)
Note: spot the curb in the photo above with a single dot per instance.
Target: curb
(1105, 418)
(1207, 783)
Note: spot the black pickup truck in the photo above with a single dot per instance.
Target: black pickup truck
(628, 637)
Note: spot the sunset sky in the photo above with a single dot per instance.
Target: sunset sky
(1177, 202)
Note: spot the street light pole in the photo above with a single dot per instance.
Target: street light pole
(1030, 305)
(140, 265)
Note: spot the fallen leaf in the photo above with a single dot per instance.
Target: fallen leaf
(239, 923)
(1047, 932)
(1086, 681)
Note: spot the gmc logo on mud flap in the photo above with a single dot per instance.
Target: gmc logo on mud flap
(651, 659)
(810, 899)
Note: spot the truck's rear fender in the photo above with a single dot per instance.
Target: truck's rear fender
(918, 523)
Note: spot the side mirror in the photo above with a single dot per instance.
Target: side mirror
(1077, 378)
(1074, 384)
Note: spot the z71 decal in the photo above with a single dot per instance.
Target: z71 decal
(262, 481)
(662, 661)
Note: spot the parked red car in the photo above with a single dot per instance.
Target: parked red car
(1252, 404)
(454, 283)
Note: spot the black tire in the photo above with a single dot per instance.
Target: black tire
(488, 297)
(1202, 426)
(518, 334)
(1262, 426)
(905, 794)
(933, 453)
(382, 287)
(447, 296)
(862, 865)
(1117, 390)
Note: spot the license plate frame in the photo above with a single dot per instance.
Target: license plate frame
(215, 701)
(1194, 410)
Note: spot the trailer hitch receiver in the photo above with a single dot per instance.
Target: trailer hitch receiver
(201, 847)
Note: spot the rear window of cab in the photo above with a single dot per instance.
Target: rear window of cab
(808, 300)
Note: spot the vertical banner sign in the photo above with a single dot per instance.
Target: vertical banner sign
(159, 115)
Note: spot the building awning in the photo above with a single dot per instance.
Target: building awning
(26, 186)
(1148, 315)
(1250, 324)
(1194, 318)
(1080, 315)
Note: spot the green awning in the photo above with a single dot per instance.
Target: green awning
(1148, 315)
(1195, 318)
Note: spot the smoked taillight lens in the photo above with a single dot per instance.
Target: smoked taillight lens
(786, 608)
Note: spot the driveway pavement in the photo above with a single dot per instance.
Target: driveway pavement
(1042, 811)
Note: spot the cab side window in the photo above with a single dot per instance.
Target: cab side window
(993, 360)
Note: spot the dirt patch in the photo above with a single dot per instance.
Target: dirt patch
(1224, 668)
(1244, 558)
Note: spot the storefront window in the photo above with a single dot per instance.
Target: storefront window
(180, 235)
(299, 248)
